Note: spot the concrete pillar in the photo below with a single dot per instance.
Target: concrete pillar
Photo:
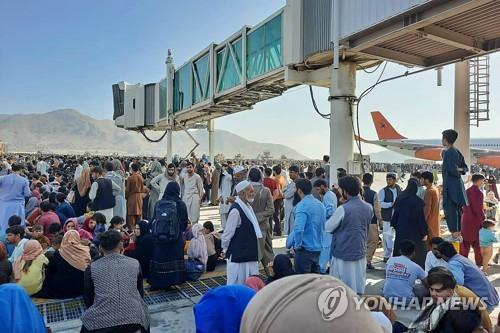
(342, 86)
(170, 71)
(461, 121)
(211, 141)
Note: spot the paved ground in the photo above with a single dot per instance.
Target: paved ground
(178, 316)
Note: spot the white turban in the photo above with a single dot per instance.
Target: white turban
(238, 169)
(241, 186)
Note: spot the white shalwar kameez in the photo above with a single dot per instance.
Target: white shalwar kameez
(238, 272)
(225, 190)
(193, 192)
(352, 273)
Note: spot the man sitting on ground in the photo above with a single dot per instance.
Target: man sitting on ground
(467, 274)
(434, 258)
(401, 274)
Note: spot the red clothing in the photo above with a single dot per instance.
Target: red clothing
(465, 249)
(46, 220)
(270, 184)
(473, 214)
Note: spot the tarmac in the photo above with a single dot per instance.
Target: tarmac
(177, 316)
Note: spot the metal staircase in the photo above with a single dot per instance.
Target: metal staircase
(479, 92)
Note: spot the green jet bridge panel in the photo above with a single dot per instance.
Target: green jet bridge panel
(231, 76)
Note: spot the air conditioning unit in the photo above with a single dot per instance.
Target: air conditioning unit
(136, 105)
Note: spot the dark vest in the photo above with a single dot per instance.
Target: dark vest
(104, 198)
(369, 196)
(243, 246)
(388, 197)
(349, 239)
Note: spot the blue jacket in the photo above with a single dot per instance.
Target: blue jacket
(309, 225)
(467, 274)
(453, 186)
(65, 211)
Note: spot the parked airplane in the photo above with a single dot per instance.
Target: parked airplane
(483, 151)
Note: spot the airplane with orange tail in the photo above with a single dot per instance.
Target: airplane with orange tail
(483, 151)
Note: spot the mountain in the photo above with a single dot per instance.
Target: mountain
(69, 131)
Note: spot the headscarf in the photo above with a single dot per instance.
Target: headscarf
(410, 190)
(75, 253)
(118, 167)
(32, 249)
(307, 303)
(282, 267)
(197, 247)
(3, 252)
(31, 205)
(20, 313)
(84, 234)
(86, 225)
(255, 283)
(221, 309)
(83, 182)
(155, 169)
(172, 192)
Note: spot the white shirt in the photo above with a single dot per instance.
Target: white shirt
(18, 250)
(431, 261)
(78, 171)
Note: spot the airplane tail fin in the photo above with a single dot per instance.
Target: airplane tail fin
(385, 131)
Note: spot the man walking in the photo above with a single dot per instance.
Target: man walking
(278, 200)
(308, 229)
(240, 237)
(134, 191)
(288, 195)
(193, 193)
(371, 197)
(387, 197)
(263, 208)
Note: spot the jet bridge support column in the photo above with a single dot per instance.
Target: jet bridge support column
(342, 93)
(461, 120)
(170, 70)
(211, 142)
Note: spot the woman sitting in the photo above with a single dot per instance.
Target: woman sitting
(214, 248)
(141, 246)
(5, 265)
(281, 267)
(72, 224)
(197, 247)
(29, 268)
(65, 270)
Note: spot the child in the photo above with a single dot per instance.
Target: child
(214, 249)
(118, 223)
(34, 232)
(490, 206)
(486, 239)
(100, 227)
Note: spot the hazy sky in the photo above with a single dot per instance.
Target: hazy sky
(67, 54)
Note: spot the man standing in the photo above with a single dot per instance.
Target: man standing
(349, 225)
(193, 192)
(288, 195)
(278, 199)
(472, 219)
(329, 200)
(319, 174)
(13, 190)
(371, 197)
(431, 208)
(326, 166)
(241, 235)
(225, 191)
(102, 193)
(308, 230)
(79, 169)
(387, 197)
(134, 191)
(161, 181)
(42, 167)
(453, 187)
(263, 208)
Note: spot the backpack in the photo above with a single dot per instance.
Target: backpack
(165, 226)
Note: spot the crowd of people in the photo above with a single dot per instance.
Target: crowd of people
(101, 228)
